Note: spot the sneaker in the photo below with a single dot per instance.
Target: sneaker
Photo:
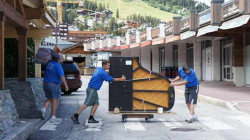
(55, 120)
(190, 120)
(43, 114)
(195, 119)
(93, 121)
(75, 119)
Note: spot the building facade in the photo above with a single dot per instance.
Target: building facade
(215, 43)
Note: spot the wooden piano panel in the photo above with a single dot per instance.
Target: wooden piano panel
(155, 84)
(157, 98)
(141, 73)
(139, 106)
(150, 90)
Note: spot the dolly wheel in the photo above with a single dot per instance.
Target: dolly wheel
(124, 119)
(147, 120)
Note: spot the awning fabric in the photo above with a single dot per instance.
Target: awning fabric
(207, 29)
(234, 23)
(187, 34)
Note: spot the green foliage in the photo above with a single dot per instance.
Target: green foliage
(11, 58)
(148, 20)
(127, 0)
(72, 15)
(135, 6)
(181, 7)
(114, 27)
(117, 13)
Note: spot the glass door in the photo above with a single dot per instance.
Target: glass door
(227, 63)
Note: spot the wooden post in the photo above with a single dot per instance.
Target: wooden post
(238, 45)
(2, 19)
(37, 66)
(22, 53)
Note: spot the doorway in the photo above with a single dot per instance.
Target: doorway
(207, 60)
(227, 68)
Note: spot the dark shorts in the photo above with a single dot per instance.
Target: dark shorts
(52, 91)
(191, 94)
(92, 97)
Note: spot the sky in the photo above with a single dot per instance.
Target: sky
(208, 2)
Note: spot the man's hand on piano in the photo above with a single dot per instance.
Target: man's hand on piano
(123, 78)
(172, 84)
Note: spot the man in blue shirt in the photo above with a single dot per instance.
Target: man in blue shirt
(53, 78)
(95, 84)
(191, 90)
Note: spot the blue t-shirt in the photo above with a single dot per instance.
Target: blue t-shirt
(191, 77)
(98, 77)
(53, 72)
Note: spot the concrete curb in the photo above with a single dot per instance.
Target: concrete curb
(213, 101)
(30, 125)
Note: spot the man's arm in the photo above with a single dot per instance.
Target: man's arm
(120, 79)
(176, 79)
(179, 83)
(64, 82)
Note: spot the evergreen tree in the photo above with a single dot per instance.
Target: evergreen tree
(117, 13)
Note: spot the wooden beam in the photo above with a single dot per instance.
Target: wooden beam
(2, 20)
(22, 53)
(33, 13)
(11, 14)
(12, 3)
(20, 8)
(33, 3)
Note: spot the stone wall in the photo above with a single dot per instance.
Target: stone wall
(28, 96)
(8, 112)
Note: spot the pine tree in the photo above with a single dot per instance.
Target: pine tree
(117, 13)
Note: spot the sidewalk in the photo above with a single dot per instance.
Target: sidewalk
(223, 94)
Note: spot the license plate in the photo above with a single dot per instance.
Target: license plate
(70, 78)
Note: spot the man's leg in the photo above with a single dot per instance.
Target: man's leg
(188, 106)
(93, 109)
(47, 103)
(92, 113)
(54, 107)
(192, 106)
(79, 111)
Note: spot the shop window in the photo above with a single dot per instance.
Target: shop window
(175, 55)
(190, 55)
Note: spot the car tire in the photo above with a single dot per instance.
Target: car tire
(67, 92)
(75, 89)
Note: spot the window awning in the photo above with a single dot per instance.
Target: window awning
(187, 34)
(234, 23)
(207, 29)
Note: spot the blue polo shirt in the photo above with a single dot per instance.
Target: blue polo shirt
(191, 77)
(98, 77)
(53, 72)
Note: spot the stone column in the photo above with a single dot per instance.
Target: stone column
(22, 53)
(145, 57)
(136, 52)
(169, 56)
(126, 52)
(216, 73)
(2, 20)
(37, 42)
(182, 54)
(238, 69)
(197, 59)
(155, 59)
